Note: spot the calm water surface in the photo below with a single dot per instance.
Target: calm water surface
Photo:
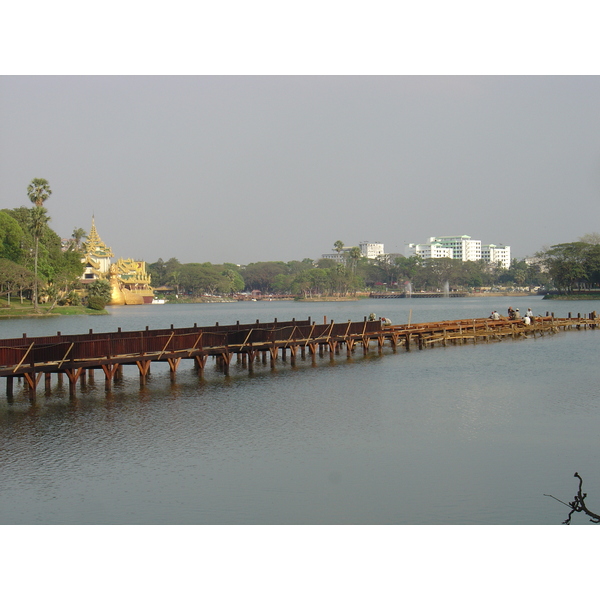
(475, 434)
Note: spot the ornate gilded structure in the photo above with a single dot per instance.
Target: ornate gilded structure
(97, 256)
(135, 282)
(128, 278)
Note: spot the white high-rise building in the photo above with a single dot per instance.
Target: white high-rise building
(460, 248)
(431, 250)
(463, 247)
(494, 254)
(371, 249)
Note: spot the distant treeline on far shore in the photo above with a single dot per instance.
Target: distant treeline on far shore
(32, 258)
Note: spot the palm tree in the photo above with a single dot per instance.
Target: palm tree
(38, 220)
(338, 246)
(354, 256)
(77, 235)
(38, 191)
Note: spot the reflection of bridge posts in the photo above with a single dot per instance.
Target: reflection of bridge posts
(252, 356)
(365, 344)
(73, 375)
(225, 359)
(9, 387)
(109, 374)
(173, 364)
(144, 368)
(32, 380)
(200, 362)
(273, 350)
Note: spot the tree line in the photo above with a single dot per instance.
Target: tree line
(347, 275)
(33, 262)
(574, 266)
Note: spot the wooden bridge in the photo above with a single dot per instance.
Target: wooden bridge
(78, 356)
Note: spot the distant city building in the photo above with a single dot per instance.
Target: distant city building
(337, 257)
(496, 254)
(368, 249)
(460, 248)
(371, 249)
(431, 250)
(463, 247)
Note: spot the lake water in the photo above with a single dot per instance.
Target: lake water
(472, 434)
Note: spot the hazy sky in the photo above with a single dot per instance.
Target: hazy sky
(248, 168)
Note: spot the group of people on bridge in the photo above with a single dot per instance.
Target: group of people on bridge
(515, 315)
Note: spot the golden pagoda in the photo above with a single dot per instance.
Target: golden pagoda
(97, 256)
(128, 278)
(135, 282)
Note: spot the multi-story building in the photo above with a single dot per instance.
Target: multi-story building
(337, 257)
(371, 249)
(463, 247)
(431, 250)
(368, 249)
(496, 254)
(460, 248)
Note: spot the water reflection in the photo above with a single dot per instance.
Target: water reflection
(470, 434)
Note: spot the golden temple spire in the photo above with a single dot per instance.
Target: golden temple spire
(94, 245)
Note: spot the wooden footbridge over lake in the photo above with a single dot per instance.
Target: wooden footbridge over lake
(79, 356)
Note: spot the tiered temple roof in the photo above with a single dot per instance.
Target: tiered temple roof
(97, 255)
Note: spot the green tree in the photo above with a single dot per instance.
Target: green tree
(566, 264)
(38, 191)
(338, 246)
(77, 235)
(14, 277)
(354, 256)
(38, 220)
(99, 293)
(233, 281)
(261, 275)
(326, 263)
(11, 237)
(67, 273)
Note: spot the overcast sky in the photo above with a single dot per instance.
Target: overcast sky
(248, 168)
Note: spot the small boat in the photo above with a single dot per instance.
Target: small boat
(158, 301)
